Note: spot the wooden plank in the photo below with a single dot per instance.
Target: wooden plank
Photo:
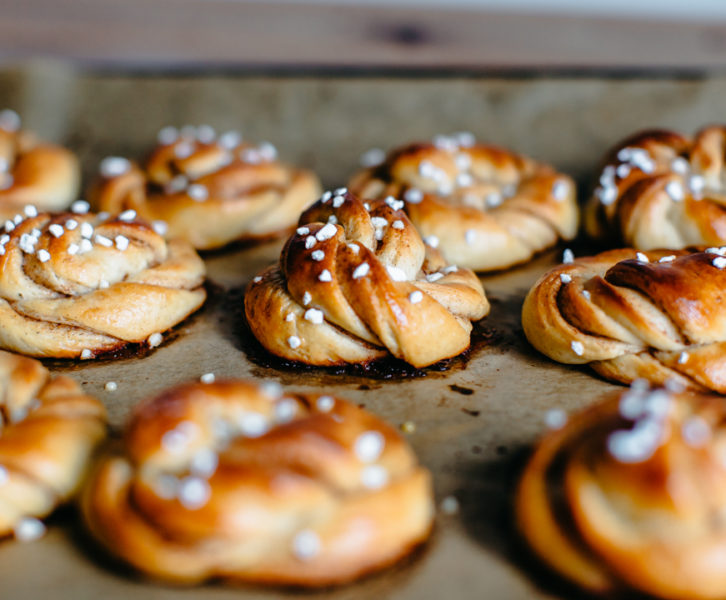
(202, 33)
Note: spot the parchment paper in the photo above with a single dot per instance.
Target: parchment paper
(474, 423)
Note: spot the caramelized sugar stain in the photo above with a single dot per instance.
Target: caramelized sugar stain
(503, 325)
(234, 326)
(464, 391)
(131, 351)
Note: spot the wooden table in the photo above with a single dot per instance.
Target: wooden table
(175, 34)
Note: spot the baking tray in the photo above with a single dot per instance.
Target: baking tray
(473, 423)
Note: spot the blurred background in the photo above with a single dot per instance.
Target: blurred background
(560, 80)
(368, 34)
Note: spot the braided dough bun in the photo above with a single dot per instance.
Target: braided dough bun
(485, 208)
(209, 190)
(49, 430)
(33, 172)
(234, 480)
(630, 493)
(654, 315)
(361, 287)
(77, 285)
(660, 189)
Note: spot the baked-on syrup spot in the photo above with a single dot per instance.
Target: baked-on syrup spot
(234, 322)
(131, 350)
(461, 390)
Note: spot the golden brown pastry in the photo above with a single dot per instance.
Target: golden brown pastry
(239, 481)
(32, 172)
(661, 189)
(356, 283)
(485, 208)
(78, 285)
(48, 430)
(209, 190)
(631, 493)
(655, 315)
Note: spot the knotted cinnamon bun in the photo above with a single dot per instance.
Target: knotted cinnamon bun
(655, 315)
(33, 172)
(78, 285)
(661, 189)
(209, 190)
(356, 283)
(48, 430)
(485, 208)
(630, 494)
(239, 481)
